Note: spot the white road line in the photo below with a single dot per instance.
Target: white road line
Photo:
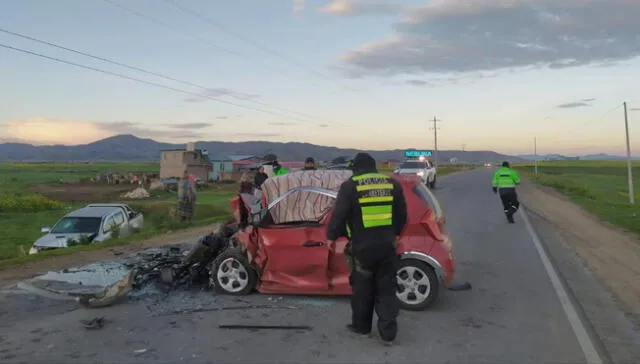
(587, 345)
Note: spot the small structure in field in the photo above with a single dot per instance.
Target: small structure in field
(173, 163)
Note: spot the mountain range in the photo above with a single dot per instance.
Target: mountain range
(132, 148)
(588, 157)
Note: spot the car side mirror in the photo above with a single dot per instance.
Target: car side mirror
(45, 230)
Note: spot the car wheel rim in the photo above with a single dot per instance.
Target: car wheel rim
(414, 286)
(232, 275)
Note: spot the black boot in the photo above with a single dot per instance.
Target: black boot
(510, 218)
(353, 329)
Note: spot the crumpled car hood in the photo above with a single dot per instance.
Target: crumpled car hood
(56, 240)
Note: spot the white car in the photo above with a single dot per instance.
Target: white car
(424, 169)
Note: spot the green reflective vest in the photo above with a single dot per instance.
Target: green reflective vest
(281, 171)
(505, 178)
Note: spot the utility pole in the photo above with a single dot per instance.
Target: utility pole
(535, 156)
(632, 197)
(435, 140)
(463, 146)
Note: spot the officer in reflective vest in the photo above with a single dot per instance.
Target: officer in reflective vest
(505, 181)
(371, 211)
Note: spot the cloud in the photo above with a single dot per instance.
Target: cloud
(573, 105)
(418, 83)
(298, 6)
(254, 135)
(220, 92)
(456, 36)
(190, 125)
(362, 7)
(635, 109)
(222, 117)
(41, 131)
(280, 123)
(323, 125)
(588, 100)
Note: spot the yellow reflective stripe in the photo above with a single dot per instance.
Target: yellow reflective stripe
(372, 217)
(376, 210)
(377, 223)
(369, 175)
(384, 186)
(376, 199)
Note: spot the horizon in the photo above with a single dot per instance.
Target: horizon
(341, 73)
(319, 145)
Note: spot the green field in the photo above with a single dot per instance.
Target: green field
(37, 195)
(598, 186)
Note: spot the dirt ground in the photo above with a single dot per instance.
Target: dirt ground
(13, 274)
(612, 254)
(82, 192)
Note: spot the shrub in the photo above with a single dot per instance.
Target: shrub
(31, 203)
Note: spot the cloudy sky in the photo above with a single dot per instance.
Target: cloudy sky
(349, 73)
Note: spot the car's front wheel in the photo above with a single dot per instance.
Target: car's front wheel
(417, 285)
(232, 274)
(432, 184)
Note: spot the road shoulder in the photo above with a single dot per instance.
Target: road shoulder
(600, 264)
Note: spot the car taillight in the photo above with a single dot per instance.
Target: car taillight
(432, 225)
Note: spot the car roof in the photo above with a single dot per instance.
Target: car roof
(98, 211)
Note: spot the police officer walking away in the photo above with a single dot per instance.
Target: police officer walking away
(505, 181)
(371, 211)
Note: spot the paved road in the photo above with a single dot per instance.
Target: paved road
(512, 314)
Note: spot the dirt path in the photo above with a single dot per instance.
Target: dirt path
(13, 274)
(611, 253)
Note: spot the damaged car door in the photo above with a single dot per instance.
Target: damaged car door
(294, 243)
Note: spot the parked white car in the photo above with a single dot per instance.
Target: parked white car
(96, 222)
(424, 169)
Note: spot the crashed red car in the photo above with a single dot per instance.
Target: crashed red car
(285, 250)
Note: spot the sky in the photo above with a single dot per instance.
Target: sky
(347, 73)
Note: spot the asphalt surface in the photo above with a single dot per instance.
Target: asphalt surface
(512, 314)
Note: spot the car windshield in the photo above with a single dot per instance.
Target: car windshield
(413, 165)
(425, 195)
(77, 225)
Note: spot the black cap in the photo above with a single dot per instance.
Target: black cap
(363, 162)
(309, 160)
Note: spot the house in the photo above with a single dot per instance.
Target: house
(173, 163)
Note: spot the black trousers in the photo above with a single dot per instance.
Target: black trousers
(509, 199)
(376, 289)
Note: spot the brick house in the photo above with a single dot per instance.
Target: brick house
(173, 163)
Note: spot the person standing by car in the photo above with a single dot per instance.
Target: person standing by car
(309, 164)
(505, 181)
(186, 197)
(371, 211)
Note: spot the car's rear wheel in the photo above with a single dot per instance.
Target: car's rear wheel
(232, 274)
(417, 285)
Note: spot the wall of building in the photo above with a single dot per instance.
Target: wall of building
(172, 164)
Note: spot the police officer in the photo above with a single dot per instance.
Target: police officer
(371, 211)
(505, 181)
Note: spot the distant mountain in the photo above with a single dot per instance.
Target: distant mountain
(588, 157)
(132, 148)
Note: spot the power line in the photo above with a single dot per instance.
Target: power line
(150, 83)
(141, 70)
(258, 45)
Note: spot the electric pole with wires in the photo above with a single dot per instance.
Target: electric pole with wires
(435, 140)
(632, 197)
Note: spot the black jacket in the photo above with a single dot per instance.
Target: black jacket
(373, 243)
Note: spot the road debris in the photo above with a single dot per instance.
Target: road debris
(139, 351)
(94, 324)
(267, 327)
(228, 308)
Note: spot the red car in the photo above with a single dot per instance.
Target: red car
(285, 249)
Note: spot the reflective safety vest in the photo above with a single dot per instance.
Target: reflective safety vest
(375, 199)
(505, 178)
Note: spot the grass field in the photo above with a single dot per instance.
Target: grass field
(598, 186)
(37, 195)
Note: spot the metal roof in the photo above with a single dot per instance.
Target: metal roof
(93, 211)
(237, 157)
